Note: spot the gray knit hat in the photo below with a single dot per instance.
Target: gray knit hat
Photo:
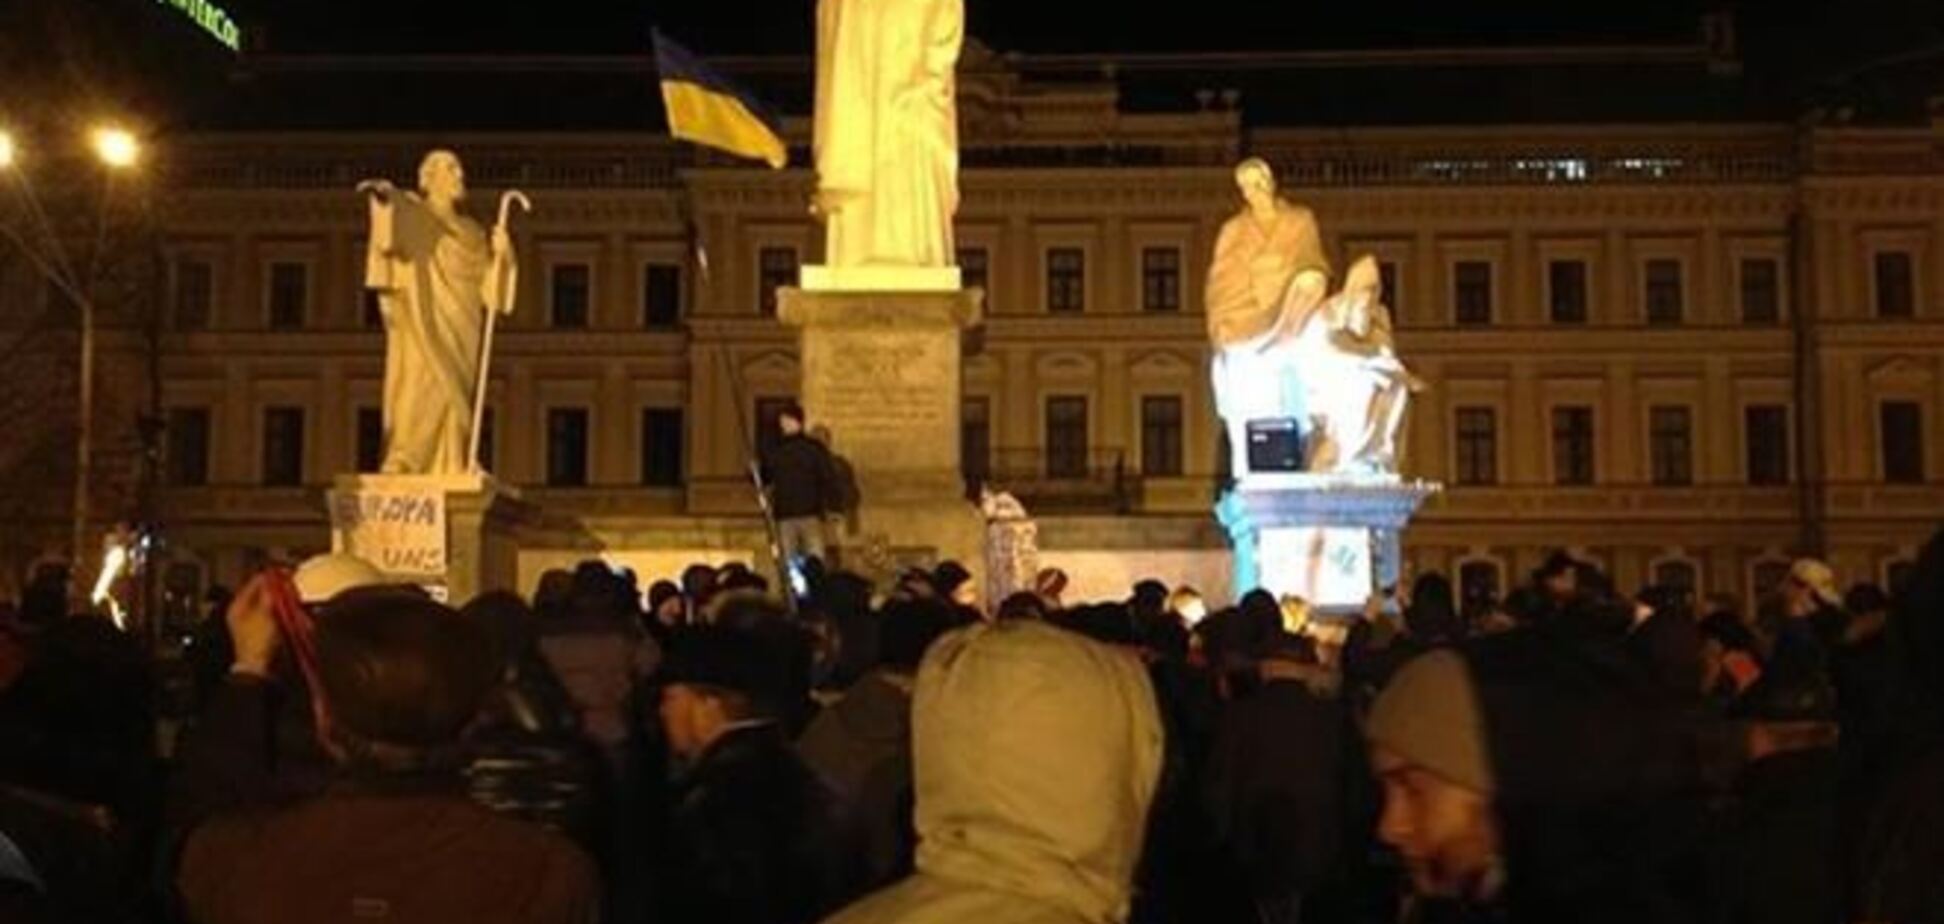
(1429, 716)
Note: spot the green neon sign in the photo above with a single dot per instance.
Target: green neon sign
(211, 19)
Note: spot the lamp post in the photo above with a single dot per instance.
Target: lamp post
(118, 150)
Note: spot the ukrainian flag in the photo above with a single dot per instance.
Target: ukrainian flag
(707, 109)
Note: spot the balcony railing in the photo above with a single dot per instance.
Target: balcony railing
(1059, 479)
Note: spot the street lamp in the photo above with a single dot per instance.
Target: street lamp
(116, 147)
(6, 150)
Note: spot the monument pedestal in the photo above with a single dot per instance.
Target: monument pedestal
(454, 534)
(881, 370)
(1331, 539)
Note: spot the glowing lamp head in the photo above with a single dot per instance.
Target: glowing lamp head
(6, 150)
(116, 147)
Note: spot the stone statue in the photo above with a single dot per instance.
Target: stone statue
(434, 271)
(886, 132)
(1269, 275)
(1356, 390)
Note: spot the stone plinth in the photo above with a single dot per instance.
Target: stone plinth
(454, 534)
(1331, 539)
(881, 370)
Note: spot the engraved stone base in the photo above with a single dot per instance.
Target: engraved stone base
(1331, 539)
(881, 371)
(859, 279)
(453, 534)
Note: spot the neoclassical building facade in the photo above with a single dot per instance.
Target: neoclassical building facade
(1685, 348)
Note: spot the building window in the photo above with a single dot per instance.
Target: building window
(1066, 436)
(188, 446)
(371, 311)
(975, 440)
(1066, 280)
(486, 440)
(1471, 292)
(289, 291)
(1479, 583)
(776, 268)
(975, 267)
(769, 430)
(195, 291)
(1161, 436)
(567, 447)
(1670, 440)
(571, 287)
(1572, 433)
(1387, 277)
(1766, 432)
(371, 439)
(283, 446)
(661, 447)
(661, 296)
(1761, 291)
(1161, 279)
(1900, 434)
(1663, 291)
(1896, 287)
(1477, 443)
(1566, 291)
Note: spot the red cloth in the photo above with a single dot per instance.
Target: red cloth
(299, 632)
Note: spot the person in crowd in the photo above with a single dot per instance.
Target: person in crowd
(395, 837)
(1035, 755)
(954, 584)
(754, 836)
(862, 743)
(699, 584)
(803, 488)
(1903, 847)
(1282, 786)
(593, 643)
(1803, 618)
(1779, 857)
(1537, 777)
(667, 609)
(1023, 604)
(845, 599)
(1051, 585)
(1557, 579)
(1731, 659)
(1666, 641)
(525, 755)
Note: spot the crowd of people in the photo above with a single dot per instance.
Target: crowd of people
(701, 752)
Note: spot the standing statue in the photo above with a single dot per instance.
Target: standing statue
(1268, 277)
(886, 133)
(1356, 389)
(436, 273)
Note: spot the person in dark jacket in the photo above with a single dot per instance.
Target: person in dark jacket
(861, 745)
(1539, 776)
(1779, 859)
(755, 837)
(395, 836)
(803, 488)
(1278, 787)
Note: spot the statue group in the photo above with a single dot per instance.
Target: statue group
(1287, 349)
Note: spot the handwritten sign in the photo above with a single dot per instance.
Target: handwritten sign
(401, 530)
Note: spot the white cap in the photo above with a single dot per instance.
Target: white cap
(322, 577)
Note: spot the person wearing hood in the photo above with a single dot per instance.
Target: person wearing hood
(1537, 777)
(1036, 754)
(861, 745)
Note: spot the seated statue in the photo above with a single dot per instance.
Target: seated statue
(1356, 389)
(1267, 279)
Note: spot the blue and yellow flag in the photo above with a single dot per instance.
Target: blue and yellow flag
(704, 107)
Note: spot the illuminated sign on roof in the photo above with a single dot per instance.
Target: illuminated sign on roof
(211, 19)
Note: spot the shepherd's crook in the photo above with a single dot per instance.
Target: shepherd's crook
(502, 263)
